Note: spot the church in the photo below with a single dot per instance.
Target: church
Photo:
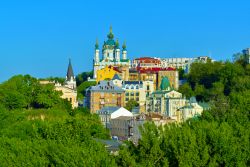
(111, 55)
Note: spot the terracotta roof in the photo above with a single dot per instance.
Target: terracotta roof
(155, 69)
(115, 68)
(148, 60)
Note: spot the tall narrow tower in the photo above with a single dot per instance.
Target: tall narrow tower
(70, 81)
(97, 52)
(124, 51)
(117, 51)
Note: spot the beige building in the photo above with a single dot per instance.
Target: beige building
(190, 110)
(137, 91)
(103, 95)
(155, 75)
(165, 101)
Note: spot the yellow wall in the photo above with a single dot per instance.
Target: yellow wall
(105, 73)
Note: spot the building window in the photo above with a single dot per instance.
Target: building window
(137, 87)
(127, 99)
(127, 94)
(147, 87)
(137, 99)
(132, 94)
(137, 94)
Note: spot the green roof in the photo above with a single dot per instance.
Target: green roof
(124, 60)
(110, 42)
(165, 84)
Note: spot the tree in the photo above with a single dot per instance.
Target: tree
(131, 104)
(81, 89)
(80, 78)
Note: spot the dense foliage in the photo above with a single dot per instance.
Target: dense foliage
(80, 78)
(26, 92)
(38, 128)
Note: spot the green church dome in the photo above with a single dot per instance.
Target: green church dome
(165, 84)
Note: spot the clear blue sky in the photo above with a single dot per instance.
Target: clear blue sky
(38, 38)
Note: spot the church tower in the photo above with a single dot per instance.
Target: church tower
(70, 81)
(124, 51)
(112, 55)
(97, 51)
(117, 52)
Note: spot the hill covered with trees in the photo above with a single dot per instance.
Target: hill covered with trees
(38, 128)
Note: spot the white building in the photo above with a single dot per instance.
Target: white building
(111, 54)
(175, 62)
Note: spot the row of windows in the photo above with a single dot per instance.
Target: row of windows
(132, 94)
(132, 87)
(127, 99)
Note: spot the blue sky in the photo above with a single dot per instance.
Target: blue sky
(38, 37)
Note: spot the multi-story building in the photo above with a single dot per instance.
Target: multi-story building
(146, 62)
(108, 113)
(165, 101)
(137, 90)
(155, 75)
(111, 56)
(122, 127)
(104, 94)
(175, 62)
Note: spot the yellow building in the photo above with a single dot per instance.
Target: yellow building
(107, 73)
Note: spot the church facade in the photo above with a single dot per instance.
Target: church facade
(111, 55)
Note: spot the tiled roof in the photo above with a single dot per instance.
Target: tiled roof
(155, 69)
(106, 86)
(108, 109)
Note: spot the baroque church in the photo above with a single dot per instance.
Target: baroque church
(111, 55)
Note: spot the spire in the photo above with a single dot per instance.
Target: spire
(110, 35)
(117, 44)
(124, 47)
(70, 72)
(96, 44)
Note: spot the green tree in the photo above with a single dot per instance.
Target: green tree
(131, 104)
(81, 89)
